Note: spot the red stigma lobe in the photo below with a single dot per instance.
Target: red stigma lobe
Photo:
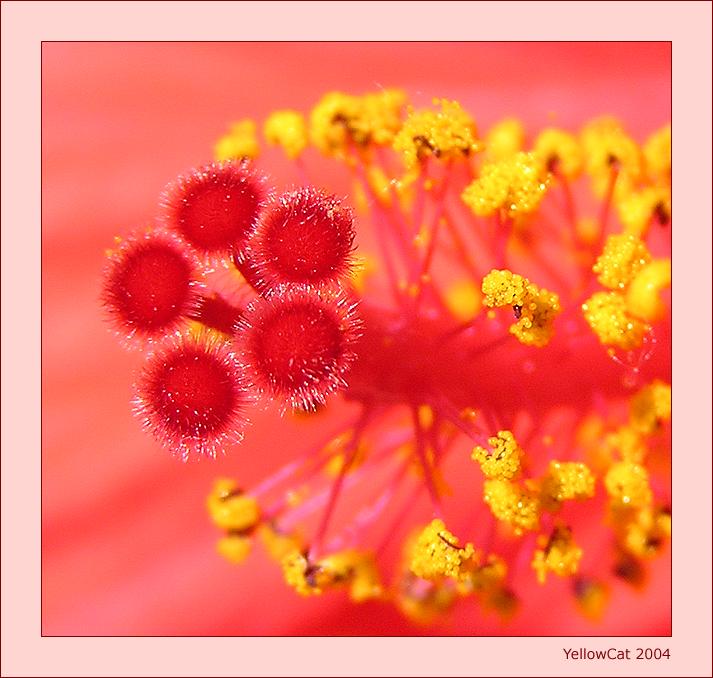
(304, 236)
(150, 285)
(215, 208)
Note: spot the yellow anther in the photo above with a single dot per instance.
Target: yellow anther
(240, 142)
(607, 315)
(235, 548)
(464, 300)
(230, 509)
(566, 480)
(447, 133)
(645, 535)
(592, 598)
(504, 288)
(515, 185)
(560, 151)
(278, 544)
(287, 129)
(651, 406)
(558, 554)
(629, 444)
(358, 570)
(301, 575)
(504, 139)
(536, 324)
(628, 485)
(623, 257)
(643, 296)
(437, 553)
(657, 152)
(339, 120)
(639, 209)
(606, 147)
(517, 506)
(351, 568)
(502, 462)
(535, 308)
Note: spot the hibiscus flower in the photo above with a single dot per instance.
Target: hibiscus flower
(482, 445)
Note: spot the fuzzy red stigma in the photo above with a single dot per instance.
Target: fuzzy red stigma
(304, 236)
(298, 343)
(150, 285)
(215, 207)
(192, 396)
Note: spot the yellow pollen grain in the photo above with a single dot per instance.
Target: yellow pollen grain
(340, 119)
(230, 509)
(645, 534)
(437, 553)
(288, 130)
(537, 307)
(643, 295)
(607, 316)
(503, 460)
(628, 485)
(657, 153)
(650, 407)
(504, 139)
(567, 480)
(240, 142)
(558, 554)
(628, 443)
(639, 209)
(515, 185)
(606, 146)
(446, 133)
(624, 255)
(561, 151)
(517, 506)
(234, 548)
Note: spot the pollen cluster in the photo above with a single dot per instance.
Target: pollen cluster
(534, 307)
(400, 355)
(437, 553)
(514, 186)
(503, 461)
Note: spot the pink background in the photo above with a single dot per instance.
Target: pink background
(144, 178)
